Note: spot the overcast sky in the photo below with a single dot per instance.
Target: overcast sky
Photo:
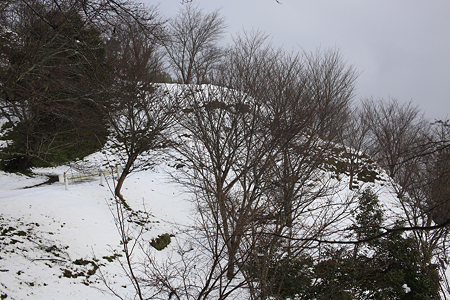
(401, 48)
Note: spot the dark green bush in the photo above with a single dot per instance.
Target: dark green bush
(161, 242)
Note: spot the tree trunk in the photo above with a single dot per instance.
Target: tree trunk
(125, 172)
(226, 231)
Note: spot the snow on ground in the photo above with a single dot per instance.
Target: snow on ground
(50, 235)
(52, 239)
(11, 181)
(45, 230)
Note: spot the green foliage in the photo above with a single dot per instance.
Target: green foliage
(111, 258)
(369, 216)
(377, 269)
(333, 277)
(161, 242)
(359, 165)
(84, 272)
(287, 276)
(55, 143)
(385, 264)
(51, 86)
(366, 174)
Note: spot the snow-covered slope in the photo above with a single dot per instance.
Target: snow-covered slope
(51, 239)
(61, 244)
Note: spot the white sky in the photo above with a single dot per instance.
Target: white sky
(400, 47)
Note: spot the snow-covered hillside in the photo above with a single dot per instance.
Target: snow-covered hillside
(63, 243)
(52, 239)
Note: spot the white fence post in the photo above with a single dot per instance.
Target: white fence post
(101, 178)
(66, 181)
(118, 170)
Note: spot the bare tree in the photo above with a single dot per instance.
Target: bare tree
(397, 136)
(192, 45)
(331, 87)
(194, 269)
(397, 131)
(140, 111)
(252, 147)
